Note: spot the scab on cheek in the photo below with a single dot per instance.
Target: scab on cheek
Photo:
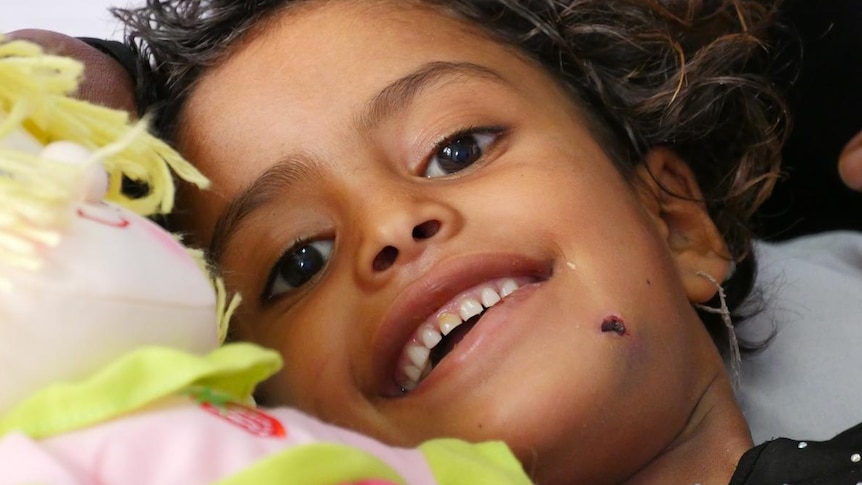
(614, 324)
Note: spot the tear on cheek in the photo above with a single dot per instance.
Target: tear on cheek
(614, 324)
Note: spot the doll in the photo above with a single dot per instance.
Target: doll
(111, 331)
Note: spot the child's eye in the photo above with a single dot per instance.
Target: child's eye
(296, 266)
(460, 151)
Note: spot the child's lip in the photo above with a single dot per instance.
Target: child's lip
(421, 298)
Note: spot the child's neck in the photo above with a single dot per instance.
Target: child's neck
(709, 448)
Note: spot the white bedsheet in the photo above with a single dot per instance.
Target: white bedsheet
(807, 383)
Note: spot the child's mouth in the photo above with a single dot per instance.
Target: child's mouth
(440, 334)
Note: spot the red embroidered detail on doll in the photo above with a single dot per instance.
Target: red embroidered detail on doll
(252, 420)
(108, 217)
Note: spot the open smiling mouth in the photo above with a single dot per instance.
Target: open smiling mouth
(443, 330)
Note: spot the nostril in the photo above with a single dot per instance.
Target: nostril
(385, 258)
(426, 230)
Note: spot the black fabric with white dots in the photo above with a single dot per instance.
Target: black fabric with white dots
(785, 461)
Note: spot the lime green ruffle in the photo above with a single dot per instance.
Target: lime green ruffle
(452, 462)
(136, 380)
(456, 462)
(316, 464)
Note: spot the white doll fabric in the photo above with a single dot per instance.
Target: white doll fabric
(807, 382)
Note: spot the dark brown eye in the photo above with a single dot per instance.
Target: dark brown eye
(459, 152)
(297, 266)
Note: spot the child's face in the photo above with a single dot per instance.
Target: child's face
(401, 159)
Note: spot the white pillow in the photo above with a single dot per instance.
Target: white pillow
(807, 383)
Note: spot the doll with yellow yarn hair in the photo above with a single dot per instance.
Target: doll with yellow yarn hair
(110, 329)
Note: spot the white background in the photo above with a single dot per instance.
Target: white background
(88, 18)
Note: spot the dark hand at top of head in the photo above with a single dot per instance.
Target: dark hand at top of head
(105, 81)
(850, 163)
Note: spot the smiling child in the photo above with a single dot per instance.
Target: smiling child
(484, 219)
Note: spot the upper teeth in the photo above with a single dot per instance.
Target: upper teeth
(415, 363)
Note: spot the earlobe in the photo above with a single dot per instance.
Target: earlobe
(669, 192)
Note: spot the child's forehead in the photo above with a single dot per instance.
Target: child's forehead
(315, 25)
(368, 45)
(342, 48)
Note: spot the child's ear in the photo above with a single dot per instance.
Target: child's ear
(669, 192)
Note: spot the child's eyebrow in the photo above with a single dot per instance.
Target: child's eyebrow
(394, 97)
(401, 92)
(266, 187)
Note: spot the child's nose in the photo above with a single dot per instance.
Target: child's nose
(389, 254)
(400, 232)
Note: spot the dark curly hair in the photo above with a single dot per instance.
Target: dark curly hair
(692, 75)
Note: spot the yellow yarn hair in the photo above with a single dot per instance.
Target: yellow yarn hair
(226, 303)
(35, 201)
(36, 195)
(34, 89)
